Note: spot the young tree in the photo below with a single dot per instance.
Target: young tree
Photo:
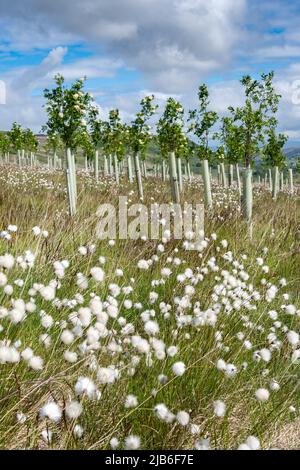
(97, 129)
(139, 135)
(170, 131)
(67, 108)
(54, 145)
(4, 145)
(16, 137)
(255, 118)
(31, 143)
(231, 136)
(114, 135)
(201, 122)
(164, 157)
(184, 153)
(273, 156)
(86, 144)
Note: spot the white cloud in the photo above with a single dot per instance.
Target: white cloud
(169, 41)
(285, 51)
(174, 44)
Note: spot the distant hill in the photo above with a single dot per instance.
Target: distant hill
(292, 152)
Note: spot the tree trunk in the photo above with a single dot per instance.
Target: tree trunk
(111, 168)
(281, 181)
(138, 175)
(230, 175)
(129, 167)
(164, 170)
(207, 184)
(105, 166)
(179, 167)
(71, 182)
(275, 182)
(247, 195)
(173, 178)
(144, 169)
(237, 169)
(223, 173)
(116, 169)
(189, 172)
(270, 180)
(291, 182)
(96, 165)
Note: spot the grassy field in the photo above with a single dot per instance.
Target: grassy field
(198, 350)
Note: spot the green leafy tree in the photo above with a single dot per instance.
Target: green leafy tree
(114, 135)
(257, 115)
(170, 136)
(4, 143)
(97, 127)
(231, 137)
(201, 122)
(54, 143)
(184, 149)
(31, 143)
(139, 134)
(170, 126)
(255, 118)
(85, 142)
(16, 137)
(114, 138)
(67, 109)
(273, 150)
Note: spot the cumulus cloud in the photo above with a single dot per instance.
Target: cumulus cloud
(173, 45)
(25, 106)
(173, 42)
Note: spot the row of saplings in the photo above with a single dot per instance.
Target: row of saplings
(247, 132)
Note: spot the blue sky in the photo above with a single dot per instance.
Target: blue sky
(131, 47)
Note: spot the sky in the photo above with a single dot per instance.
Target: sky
(130, 48)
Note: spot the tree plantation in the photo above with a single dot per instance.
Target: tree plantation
(148, 342)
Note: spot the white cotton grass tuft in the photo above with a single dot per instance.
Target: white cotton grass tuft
(52, 411)
(183, 418)
(78, 431)
(131, 401)
(97, 274)
(85, 386)
(274, 386)
(265, 354)
(21, 417)
(262, 394)
(143, 264)
(251, 443)
(67, 337)
(47, 436)
(132, 442)
(107, 375)
(179, 368)
(114, 443)
(3, 279)
(7, 261)
(151, 328)
(202, 444)
(70, 356)
(219, 408)
(73, 410)
(36, 363)
(163, 413)
(293, 338)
